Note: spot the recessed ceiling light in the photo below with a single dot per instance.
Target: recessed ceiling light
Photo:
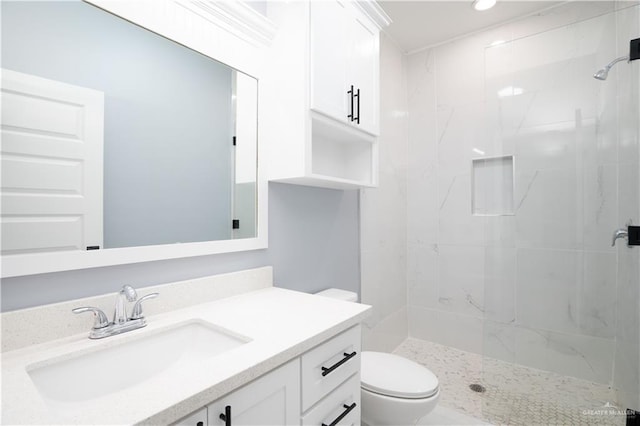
(483, 4)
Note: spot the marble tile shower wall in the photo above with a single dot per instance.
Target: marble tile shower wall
(383, 212)
(538, 287)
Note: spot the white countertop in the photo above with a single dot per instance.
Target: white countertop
(281, 324)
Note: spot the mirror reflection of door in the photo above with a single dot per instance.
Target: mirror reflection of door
(245, 164)
(52, 138)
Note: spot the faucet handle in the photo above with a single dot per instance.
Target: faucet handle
(100, 320)
(136, 312)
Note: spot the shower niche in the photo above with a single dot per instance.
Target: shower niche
(492, 184)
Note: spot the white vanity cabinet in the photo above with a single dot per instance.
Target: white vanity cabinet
(273, 399)
(320, 387)
(199, 418)
(331, 381)
(342, 406)
(323, 85)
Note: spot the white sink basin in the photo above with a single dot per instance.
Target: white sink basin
(115, 368)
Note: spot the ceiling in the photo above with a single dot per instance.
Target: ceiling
(418, 24)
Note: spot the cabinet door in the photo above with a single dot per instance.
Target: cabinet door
(329, 46)
(199, 418)
(273, 399)
(363, 71)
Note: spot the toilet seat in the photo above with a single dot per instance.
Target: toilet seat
(395, 376)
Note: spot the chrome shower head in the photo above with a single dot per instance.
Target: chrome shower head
(604, 72)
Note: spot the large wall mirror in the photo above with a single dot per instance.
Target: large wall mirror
(116, 139)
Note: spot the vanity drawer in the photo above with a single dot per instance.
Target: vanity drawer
(339, 404)
(328, 365)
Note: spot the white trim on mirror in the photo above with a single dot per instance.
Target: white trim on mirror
(209, 33)
(18, 265)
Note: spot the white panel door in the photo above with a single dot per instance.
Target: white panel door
(246, 153)
(52, 152)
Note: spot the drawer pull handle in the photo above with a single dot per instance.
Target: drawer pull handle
(346, 358)
(226, 417)
(347, 410)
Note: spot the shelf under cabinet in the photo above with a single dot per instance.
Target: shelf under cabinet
(336, 155)
(342, 155)
(322, 181)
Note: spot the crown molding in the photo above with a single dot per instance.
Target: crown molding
(372, 9)
(236, 17)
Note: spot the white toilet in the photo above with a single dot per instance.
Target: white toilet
(394, 390)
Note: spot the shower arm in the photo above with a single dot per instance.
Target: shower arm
(615, 61)
(634, 54)
(603, 73)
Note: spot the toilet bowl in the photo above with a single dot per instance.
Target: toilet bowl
(394, 390)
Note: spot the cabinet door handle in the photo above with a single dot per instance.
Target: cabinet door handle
(347, 410)
(357, 95)
(350, 93)
(347, 357)
(200, 424)
(226, 416)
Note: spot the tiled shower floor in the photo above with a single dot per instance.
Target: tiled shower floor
(515, 395)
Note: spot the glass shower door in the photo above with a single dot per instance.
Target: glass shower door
(561, 322)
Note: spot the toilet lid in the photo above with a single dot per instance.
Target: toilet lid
(393, 375)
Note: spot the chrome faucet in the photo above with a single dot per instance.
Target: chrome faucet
(120, 312)
(619, 233)
(121, 323)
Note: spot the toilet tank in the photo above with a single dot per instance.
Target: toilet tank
(336, 293)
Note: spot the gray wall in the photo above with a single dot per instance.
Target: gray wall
(314, 237)
(160, 98)
(313, 244)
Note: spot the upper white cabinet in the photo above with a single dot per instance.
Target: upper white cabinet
(323, 86)
(344, 64)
